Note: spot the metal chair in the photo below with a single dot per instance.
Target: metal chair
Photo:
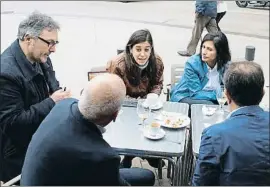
(119, 51)
(100, 69)
(96, 71)
(177, 71)
(12, 181)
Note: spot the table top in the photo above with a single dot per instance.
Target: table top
(126, 136)
(199, 122)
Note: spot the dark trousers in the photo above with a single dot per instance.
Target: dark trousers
(219, 17)
(127, 161)
(134, 176)
(138, 176)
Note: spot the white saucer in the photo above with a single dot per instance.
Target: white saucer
(160, 135)
(159, 105)
(208, 111)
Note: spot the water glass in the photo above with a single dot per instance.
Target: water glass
(221, 98)
(142, 111)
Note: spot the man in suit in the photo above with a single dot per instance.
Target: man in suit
(28, 87)
(68, 147)
(237, 150)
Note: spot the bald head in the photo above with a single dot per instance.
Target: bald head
(102, 97)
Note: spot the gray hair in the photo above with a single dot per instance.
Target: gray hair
(103, 97)
(34, 24)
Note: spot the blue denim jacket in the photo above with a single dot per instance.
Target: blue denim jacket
(193, 81)
(207, 8)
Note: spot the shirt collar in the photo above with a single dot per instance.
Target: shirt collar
(230, 114)
(210, 69)
(101, 129)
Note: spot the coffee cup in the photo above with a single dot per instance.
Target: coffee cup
(154, 128)
(151, 99)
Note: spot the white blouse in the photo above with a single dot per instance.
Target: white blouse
(213, 76)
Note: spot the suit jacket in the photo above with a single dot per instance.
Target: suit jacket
(236, 152)
(69, 150)
(24, 103)
(193, 81)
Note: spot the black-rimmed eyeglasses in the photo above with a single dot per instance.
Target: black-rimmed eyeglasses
(50, 43)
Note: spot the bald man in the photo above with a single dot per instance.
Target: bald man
(68, 148)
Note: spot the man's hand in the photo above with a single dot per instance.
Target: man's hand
(60, 95)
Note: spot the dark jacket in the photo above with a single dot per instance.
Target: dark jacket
(206, 8)
(24, 103)
(236, 152)
(69, 150)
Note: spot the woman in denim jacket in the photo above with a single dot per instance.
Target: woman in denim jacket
(203, 72)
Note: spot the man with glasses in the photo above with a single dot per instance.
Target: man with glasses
(29, 89)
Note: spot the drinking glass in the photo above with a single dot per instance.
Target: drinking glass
(142, 111)
(221, 98)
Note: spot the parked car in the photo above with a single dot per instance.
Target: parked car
(243, 4)
(127, 1)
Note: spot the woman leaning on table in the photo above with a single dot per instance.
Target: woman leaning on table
(139, 66)
(142, 72)
(203, 72)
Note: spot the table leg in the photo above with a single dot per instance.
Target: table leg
(169, 170)
(177, 178)
(160, 168)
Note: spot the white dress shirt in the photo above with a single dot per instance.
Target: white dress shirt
(213, 76)
(101, 129)
(230, 114)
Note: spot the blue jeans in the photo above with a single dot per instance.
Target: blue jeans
(138, 176)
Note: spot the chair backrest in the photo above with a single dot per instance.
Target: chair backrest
(12, 181)
(119, 51)
(177, 71)
(96, 71)
(99, 69)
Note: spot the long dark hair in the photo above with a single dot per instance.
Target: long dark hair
(221, 45)
(133, 72)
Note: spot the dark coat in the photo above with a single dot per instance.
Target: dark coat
(68, 150)
(24, 103)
